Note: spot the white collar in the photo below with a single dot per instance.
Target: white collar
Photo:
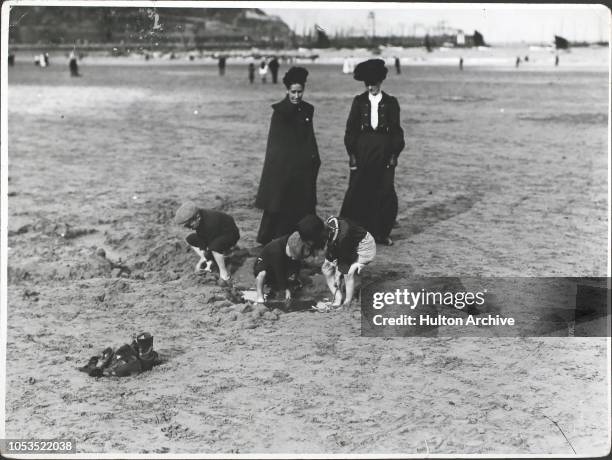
(375, 99)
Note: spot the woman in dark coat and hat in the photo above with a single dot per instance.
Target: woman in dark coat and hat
(288, 186)
(373, 140)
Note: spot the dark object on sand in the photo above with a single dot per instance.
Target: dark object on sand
(461, 63)
(221, 64)
(398, 66)
(11, 59)
(127, 360)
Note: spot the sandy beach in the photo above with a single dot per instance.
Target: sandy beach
(505, 173)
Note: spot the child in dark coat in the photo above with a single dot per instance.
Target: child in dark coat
(281, 258)
(215, 232)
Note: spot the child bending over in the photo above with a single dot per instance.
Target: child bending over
(215, 233)
(349, 248)
(281, 258)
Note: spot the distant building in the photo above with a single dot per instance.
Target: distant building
(561, 43)
(460, 38)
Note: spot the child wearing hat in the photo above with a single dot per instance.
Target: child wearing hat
(281, 258)
(349, 248)
(215, 232)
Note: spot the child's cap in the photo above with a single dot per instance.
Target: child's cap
(310, 228)
(185, 213)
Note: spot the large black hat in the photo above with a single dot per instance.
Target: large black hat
(295, 75)
(370, 71)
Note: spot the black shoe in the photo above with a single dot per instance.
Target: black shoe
(90, 365)
(149, 360)
(144, 341)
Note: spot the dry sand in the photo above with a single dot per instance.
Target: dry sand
(504, 174)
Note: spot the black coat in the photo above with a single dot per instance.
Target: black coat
(289, 178)
(370, 200)
(388, 123)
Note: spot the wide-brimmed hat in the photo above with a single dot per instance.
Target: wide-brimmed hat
(295, 75)
(185, 213)
(372, 71)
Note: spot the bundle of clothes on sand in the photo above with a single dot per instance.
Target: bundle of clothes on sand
(128, 359)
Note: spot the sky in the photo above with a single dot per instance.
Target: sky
(499, 23)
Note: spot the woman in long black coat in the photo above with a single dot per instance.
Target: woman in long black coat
(373, 140)
(288, 186)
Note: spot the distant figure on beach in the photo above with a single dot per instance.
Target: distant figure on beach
(278, 265)
(251, 72)
(345, 66)
(274, 65)
(398, 68)
(556, 60)
(518, 62)
(221, 65)
(373, 140)
(288, 186)
(46, 59)
(73, 65)
(11, 59)
(263, 71)
(215, 233)
(461, 63)
(41, 61)
(526, 58)
(349, 247)
(348, 66)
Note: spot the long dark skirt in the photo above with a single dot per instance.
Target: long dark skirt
(276, 224)
(371, 200)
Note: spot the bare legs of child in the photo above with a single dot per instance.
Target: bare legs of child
(349, 279)
(334, 282)
(203, 260)
(259, 285)
(260, 282)
(332, 278)
(219, 259)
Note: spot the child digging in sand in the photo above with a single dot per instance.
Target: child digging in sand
(215, 232)
(349, 248)
(281, 258)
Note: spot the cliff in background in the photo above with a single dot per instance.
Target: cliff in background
(180, 28)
